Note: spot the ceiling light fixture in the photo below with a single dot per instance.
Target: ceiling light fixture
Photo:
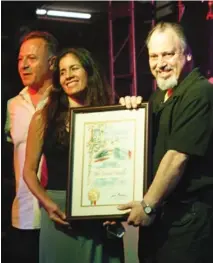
(65, 14)
(41, 12)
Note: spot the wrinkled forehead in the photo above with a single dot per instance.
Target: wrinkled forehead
(162, 41)
(34, 46)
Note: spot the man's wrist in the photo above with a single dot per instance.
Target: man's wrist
(148, 209)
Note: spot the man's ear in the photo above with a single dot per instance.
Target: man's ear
(189, 61)
(52, 63)
(189, 57)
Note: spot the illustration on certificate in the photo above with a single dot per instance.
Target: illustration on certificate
(108, 161)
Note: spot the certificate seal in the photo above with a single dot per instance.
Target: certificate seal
(93, 196)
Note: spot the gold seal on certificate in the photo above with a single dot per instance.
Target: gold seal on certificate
(93, 196)
(108, 160)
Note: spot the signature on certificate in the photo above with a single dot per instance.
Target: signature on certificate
(118, 195)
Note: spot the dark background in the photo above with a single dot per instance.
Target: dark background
(19, 17)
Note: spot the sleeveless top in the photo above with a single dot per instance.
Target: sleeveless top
(57, 155)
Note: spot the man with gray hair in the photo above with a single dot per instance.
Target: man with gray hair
(35, 65)
(176, 213)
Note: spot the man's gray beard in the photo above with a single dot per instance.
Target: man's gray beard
(165, 84)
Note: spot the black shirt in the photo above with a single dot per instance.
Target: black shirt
(57, 156)
(185, 123)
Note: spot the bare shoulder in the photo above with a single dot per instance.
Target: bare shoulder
(38, 115)
(38, 120)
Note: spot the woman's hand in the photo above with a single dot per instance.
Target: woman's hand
(55, 213)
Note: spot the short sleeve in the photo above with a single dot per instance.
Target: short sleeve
(193, 127)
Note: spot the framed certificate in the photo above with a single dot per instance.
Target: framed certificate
(108, 160)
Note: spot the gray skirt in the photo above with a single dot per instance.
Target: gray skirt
(86, 242)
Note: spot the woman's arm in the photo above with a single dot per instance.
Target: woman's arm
(34, 146)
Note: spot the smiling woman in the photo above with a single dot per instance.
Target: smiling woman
(80, 77)
(77, 81)
(73, 77)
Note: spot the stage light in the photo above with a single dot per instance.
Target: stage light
(63, 14)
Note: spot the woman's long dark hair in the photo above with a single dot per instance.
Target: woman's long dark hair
(97, 92)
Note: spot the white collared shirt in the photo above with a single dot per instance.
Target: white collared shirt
(20, 110)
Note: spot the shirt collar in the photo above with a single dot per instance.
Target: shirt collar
(188, 80)
(25, 94)
(183, 85)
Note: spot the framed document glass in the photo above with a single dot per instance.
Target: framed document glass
(108, 160)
